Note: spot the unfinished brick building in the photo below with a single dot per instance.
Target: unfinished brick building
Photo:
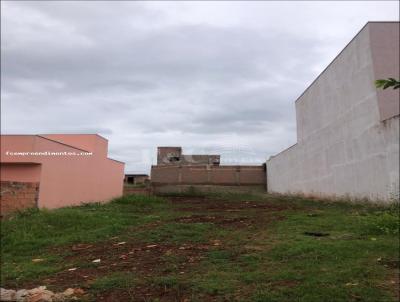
(174, 156)
(135, 179)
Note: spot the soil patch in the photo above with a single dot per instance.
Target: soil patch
(228, 222)
(206, 204)
(144, 260)
(218, 220)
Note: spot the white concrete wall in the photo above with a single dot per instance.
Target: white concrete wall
(343, 148)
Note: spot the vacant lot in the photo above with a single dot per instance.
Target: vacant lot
(207, 248)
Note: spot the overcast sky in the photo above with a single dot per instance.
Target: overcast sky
(212, 77)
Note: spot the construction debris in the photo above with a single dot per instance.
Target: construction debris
(39, 294)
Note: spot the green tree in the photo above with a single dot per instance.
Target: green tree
(390, 82)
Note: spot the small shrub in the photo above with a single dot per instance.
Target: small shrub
(383, 222)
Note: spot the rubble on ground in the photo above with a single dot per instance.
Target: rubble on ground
(40, 294)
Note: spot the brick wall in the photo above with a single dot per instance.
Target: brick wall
(208, 175)
(131, 190)
(18, 196)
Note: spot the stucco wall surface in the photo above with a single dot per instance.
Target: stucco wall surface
(343, 146)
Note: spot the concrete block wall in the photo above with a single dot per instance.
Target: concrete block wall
(166, 189)
(129, 190)
(18, 196)
(347, 140)
(208, 175)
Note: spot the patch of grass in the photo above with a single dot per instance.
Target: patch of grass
(342, 265)
(238, 196)
(33, 230)
(386, 221)
(29, 234)
(167, 282)
(191, 191)
(121, 280)
(216, 283)
(18, 269)
(270, 260)
(220, 256)
(178, 233)
(231, 196)
(172, 262)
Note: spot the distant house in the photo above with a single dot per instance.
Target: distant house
(57, 170)
(174, 156)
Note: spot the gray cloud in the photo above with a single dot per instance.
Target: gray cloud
(206, 76)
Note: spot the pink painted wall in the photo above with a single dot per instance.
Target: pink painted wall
(29, 172)
(88, 142)
(384, 37)
(66, 180)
